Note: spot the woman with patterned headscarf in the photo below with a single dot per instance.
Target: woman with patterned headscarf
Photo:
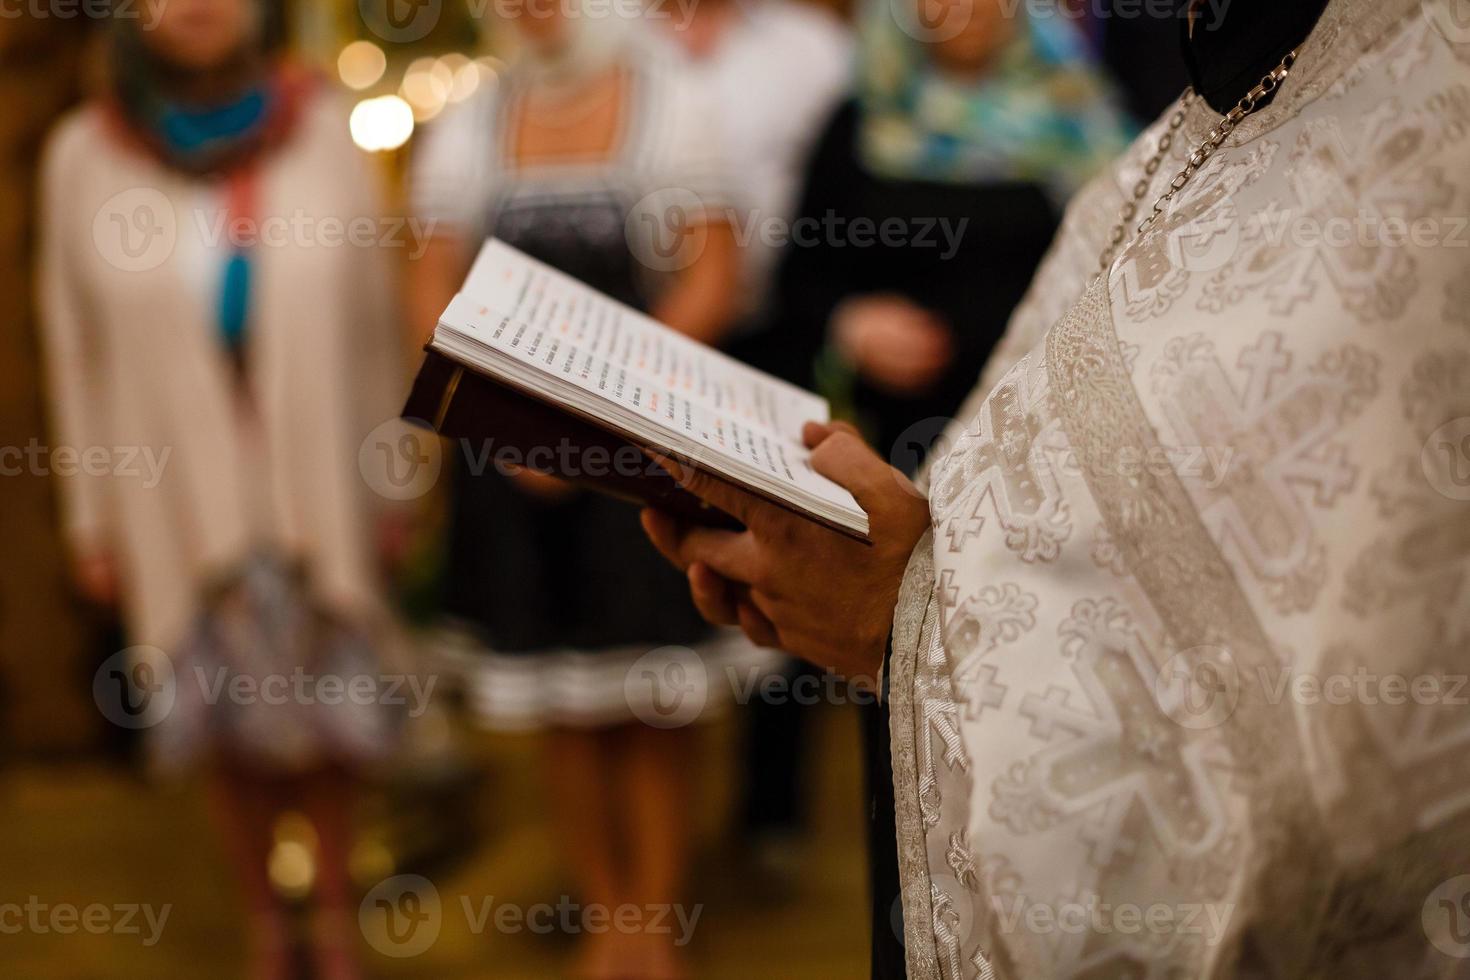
(200, 305)
(968, 131)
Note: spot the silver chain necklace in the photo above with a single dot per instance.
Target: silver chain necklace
(1212, 141)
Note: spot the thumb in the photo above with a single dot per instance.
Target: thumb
(813, 433)
(848, 462)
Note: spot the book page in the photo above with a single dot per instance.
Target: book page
(517, 286)
(607, 373)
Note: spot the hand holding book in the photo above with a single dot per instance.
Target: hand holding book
(792, 583)
(787, 525)
(556, 377)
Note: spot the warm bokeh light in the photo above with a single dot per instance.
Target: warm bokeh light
(453, 61)
(426, 86)
(292, 861)
(467, 79)
(361, 64)
(384, 123)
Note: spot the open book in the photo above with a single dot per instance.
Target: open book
(551, 374)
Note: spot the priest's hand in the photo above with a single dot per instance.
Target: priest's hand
(791, 583)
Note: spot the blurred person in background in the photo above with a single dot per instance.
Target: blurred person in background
(258, 365)
(968, 131)
(776, 69)
(597, 156)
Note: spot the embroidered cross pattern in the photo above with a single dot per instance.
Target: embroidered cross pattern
(1419, 744)
(1360, 188)
(938, 714)
(1123, 748)
(1152, 275)
(997, 462)
(1265, 442)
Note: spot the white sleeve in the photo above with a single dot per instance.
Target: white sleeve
(69, 346)
(694, 160)
(450, 174)
(826, 58)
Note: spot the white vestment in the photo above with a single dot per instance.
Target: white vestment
(1200, 514)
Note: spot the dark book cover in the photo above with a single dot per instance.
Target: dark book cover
(460, 403)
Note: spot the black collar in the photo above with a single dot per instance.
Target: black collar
(1230, 51)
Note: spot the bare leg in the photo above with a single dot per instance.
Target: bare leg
(327, 798)
(579, 777)
(244, 804)
(656, 796)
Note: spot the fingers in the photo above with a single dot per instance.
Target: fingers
(716, 492)
(712, 596)
(731, 554)
(721, 598)
(847, 461)
(813, 433)
(663, 531)
(718, 602)
(756, 627)
(763, 603)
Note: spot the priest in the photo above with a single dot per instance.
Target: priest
(1173, 632)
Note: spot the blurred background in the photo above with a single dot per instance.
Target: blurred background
(227, 228)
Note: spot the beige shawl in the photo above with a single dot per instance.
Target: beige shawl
(129, 269)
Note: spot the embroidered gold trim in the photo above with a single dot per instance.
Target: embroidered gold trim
(1194, 591)
(915, 617)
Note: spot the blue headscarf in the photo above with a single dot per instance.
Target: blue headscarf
(1043, 112)
(220, 141)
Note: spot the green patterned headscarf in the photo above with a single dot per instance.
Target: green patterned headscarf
(1042, 113)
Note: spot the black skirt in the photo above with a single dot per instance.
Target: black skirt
(532, 574)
